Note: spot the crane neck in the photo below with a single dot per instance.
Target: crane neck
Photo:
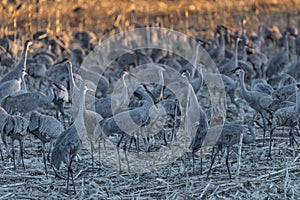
(82, 92)
(72, 84)
(23, 60)
(125, 89)
(194, 59)
(235, 54)
(222, 41)
(22, 81)
(286, 44)
(297, 100)
(242, 82)
(162, 83)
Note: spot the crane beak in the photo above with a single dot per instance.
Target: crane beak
(258, 124)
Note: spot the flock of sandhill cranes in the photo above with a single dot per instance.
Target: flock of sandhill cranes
(269, 85)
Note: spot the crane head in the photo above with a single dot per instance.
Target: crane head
(28, 43)
(238, 68)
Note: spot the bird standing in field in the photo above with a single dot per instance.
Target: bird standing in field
(260, 102)
(70, 142)
(287, 116)
(230, 136)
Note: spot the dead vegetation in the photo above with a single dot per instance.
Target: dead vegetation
(258, 178)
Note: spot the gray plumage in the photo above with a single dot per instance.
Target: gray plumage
(284, 92)
(70, 141)
(25, 102)
(15, 127)
(14, 73)
(218, 53)
(260, 102)
(287, 116)
(47, 129)
(106, 107)
(230, 135)
(127, 122)
(13, 86)
(260, 85)
(58, 72)
(233, 62)
(278, 62)
(102, 87)
(294, 68)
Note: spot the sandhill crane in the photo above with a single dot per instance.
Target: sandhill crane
(47, 129)
(61, 96)
(77, 57)
(233, 63)
(106, 107)
(278, 62)
(294, 68)
(192, 66)
(218, 53)
(15, 127)
(70, 142)
(286, 80)
(3, 116)
(58, 72)
(25, 102)
(14, 73)
(229, 85)
(37, 71)
(230, 136)
(134, 119)
(196, 122)
(260, 102)
(283, 93)
(287, 116)
(13, 86)
(102, 87)
(261, 85)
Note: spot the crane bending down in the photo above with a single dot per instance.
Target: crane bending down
(15, 127)
(230, 136)
(47, 129)
(70, 142)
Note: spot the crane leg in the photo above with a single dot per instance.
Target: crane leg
(70, 171)
(3, 138)
(292, 138)
(50, 149)
(118, 151)
(212, 161)
(44, 159)
(227, 162)
(1, 154)
(271, 133)
(13, 153)
(92, 151)
(21, 153)
(201, 162)
(265, 126)
(193, 156)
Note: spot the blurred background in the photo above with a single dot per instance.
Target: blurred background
(198, 18)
